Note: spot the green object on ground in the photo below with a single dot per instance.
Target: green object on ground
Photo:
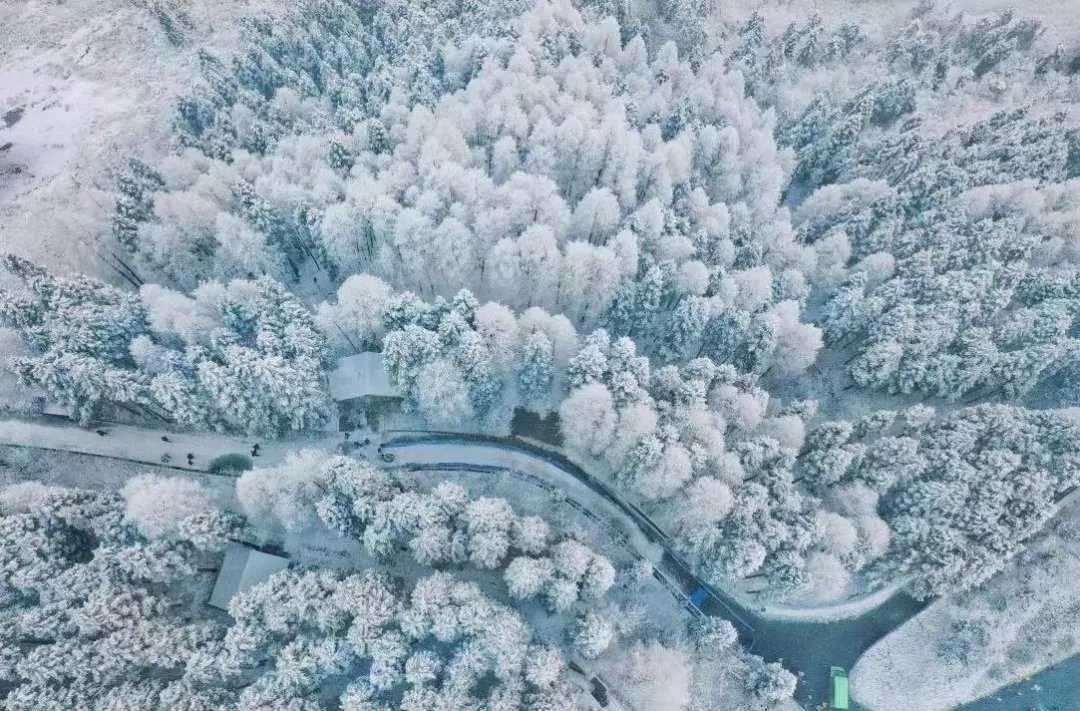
(230, 463)
(838, 682)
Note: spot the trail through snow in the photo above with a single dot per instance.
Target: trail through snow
(143, 445)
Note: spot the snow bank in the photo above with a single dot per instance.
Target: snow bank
(855, 606)
(965, 647)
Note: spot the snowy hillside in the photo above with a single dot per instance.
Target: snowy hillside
(83, 85)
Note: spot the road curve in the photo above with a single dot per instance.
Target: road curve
(808, 648)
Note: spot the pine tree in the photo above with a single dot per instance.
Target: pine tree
(135, 204)
(536, 369)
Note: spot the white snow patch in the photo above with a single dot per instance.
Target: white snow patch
(856, 605)
(96, 82)
(360, 375)
(967, 646)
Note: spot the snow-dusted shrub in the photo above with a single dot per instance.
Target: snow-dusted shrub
(592, 635)
(158, 505)
(230, 463)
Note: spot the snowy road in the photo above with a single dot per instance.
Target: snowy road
(148, 446)
(805, 647)
(1053, 689)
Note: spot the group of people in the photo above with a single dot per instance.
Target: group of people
(347, 446)
(167, 458)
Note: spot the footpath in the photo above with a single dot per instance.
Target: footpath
(157, 447)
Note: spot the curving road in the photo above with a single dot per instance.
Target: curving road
(806, 648)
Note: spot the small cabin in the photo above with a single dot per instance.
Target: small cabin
(244, 567)
(42, 404)
(363, 390)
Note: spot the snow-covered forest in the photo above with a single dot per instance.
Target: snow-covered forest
(800, 287)
(102, 606)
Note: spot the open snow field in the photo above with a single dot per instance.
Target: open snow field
(970, 645)
(84, 86)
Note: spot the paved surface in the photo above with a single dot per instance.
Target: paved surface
(806, 648)
(1053, 689)
(146, 445)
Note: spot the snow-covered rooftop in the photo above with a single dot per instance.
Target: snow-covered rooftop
(359, 375)
(243, 568)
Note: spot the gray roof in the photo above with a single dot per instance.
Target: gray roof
(361, 375)
(243, 568)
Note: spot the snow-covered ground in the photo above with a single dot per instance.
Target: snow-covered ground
(18, 464)
(144, 445)
(85, 85)
(967, 646)
(855, 606)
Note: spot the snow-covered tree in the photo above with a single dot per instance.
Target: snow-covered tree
(355, 322)
(246, 356)
(526, 577)
(158, 506)
(588, 419)
(442, 395)
(770, 683)
(652, 676)
(592, 635)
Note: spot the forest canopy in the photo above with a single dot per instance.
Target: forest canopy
(806, 293)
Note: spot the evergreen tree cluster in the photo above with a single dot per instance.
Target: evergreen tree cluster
(99, 611)
(952, 234)
(548, 162)
(674, 239)
(959, 492)
(241, 357)
(441, 528)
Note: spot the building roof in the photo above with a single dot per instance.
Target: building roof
(361, 375)
(242, 569)
(839, 691)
